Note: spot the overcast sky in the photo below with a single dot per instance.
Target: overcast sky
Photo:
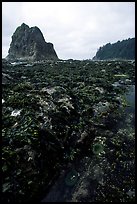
(76, 29)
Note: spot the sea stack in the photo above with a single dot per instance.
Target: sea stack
(28, 44)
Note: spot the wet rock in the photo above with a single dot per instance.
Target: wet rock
(101, 107)
(68, 116)
(100, 89)
(6, 78)
(82, 137)
(3, 100)
(116, 84)
(16, 113)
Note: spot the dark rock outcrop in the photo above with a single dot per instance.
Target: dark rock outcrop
(29, 44)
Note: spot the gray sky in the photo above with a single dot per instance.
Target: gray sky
(76, 29)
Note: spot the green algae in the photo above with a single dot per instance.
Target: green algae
(39, 141)
(97, 148)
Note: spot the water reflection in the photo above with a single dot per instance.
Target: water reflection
(130, 97)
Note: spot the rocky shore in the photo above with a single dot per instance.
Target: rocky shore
(68, 124)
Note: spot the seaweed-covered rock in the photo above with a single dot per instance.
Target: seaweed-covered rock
(61, 113)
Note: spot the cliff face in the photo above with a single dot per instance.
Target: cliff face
(119, 50)
(29, 44)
